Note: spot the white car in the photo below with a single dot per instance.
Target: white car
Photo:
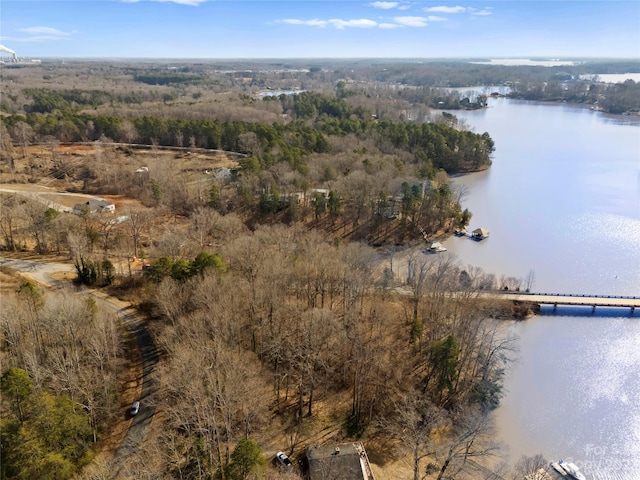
(283, 459)
(135, 408)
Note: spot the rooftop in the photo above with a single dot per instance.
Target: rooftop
(347, 461)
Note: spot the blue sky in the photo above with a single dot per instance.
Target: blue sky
(325, 29)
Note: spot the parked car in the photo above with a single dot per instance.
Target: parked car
(135, 408)
(283, 459)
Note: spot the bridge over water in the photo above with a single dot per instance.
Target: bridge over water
(570, 299)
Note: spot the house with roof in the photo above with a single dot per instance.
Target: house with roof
(346, 461)
(94, 205)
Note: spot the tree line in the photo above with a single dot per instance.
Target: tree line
(42, 100)
(614, 98)
(318, 117)
(278, 320)
(381, 177)
(166, 78)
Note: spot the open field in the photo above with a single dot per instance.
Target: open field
(52, 174)
(71, 156)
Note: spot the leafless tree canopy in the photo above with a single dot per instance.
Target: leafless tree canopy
(275, 317)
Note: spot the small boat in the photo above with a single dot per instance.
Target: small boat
(436, 247)
(572, 470)
(556, 466)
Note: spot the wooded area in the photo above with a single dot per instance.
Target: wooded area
(275, 274)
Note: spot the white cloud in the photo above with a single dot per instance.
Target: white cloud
(404, 7)
(40, 34)
(435, 18)
(48, 31)
(358, 23)
(411, 21)
(384, 5)
(335, 22)
(446, 9)
(311, 23)
(389, 26)
(483, 13)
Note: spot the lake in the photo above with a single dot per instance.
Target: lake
(277, 93)
(562, 198)
(613, 77)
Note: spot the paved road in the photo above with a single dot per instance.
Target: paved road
(41, 273)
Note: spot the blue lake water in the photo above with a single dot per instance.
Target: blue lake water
(563, 199)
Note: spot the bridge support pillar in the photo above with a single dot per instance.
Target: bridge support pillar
(555, 306)
(632, 309)
(593, 309)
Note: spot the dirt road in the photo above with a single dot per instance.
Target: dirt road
(41, 273)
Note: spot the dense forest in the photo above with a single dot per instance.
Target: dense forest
(619, 98)
(314, 118)
(376, 80)
(377, 179)
(283, 322)
(265, 243)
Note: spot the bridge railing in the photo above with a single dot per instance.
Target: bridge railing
(576, 295)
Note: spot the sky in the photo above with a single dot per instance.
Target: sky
(320, 29)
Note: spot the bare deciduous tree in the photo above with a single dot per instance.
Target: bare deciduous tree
(472, 437)
(138, 225)
(414, 424)
(23, 133)
(531, 468)
(11, 221)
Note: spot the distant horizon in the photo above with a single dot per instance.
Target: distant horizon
(537, 58)
(311, 29)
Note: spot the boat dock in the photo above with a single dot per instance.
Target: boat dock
(477, 234)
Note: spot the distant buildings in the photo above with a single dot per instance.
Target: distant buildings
(4, 49)
(94, 206)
